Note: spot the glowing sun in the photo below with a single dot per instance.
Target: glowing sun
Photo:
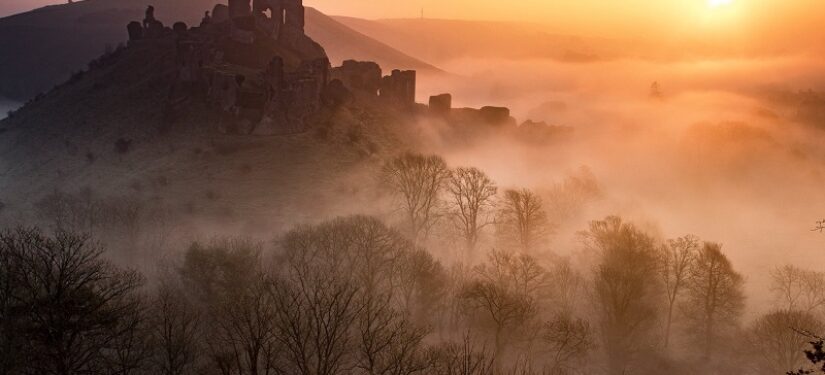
(719, 3)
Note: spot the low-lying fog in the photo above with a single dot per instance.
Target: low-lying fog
(726, 150)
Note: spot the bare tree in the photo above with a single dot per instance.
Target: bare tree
(175, 329)
(72, 310)
(566, 288)
(338, 297)
(464, 358)
(522, 220)
(471, 193)
(235, 293)
(389, 344)
(798, 289)
(566, 198)
(567, 341)
(417, 182)
(776, 340)
(715, 298)
(674, 261)
(624, 289)
(504, 292)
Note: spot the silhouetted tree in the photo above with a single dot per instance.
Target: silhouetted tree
(715, 299)
(338, 294)
(471, 195)
(463, 358)
(624, 289)
(674, 261)
(776, 343)
(522, 220)
(417, 180)
(176, 332)
(70, 311)
(567, 341)
(504, 292)
(234, 291)
(798, 289)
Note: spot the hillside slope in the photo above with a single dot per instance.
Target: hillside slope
(440, 41)
(50, 43)
(106, 131)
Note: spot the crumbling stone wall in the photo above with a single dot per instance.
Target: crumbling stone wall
(363, 76)
(399, 87)
(285, 96)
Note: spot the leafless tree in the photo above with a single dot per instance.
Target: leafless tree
(417, 181)
(504, 292)
(715, 298)
(776, 342)
(566, 288)
(522, 220)
(338, 298)
(624, 288)
(71, 308)
(566, 198)
(421, 285)
(389, 344)
(798, 289)
(567, 341)
(78, 212)
(471, 195)
(175, 329)
(464, 358)
(674, 261)
(235, 294)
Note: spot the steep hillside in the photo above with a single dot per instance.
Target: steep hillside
(342, 42)
(51, 43)
(440, 41)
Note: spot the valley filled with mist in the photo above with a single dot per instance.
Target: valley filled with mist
(576, 205)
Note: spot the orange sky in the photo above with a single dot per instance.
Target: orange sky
(777, 24)
(782, 24)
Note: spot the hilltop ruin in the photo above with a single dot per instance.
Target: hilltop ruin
(253, 61)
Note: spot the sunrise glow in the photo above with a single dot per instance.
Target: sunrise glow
(719, 3)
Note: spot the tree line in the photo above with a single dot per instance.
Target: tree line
(354, 295)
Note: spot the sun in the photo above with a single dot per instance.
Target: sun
(719, 3)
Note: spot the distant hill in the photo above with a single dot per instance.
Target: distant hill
(439, 41)
(43, 47)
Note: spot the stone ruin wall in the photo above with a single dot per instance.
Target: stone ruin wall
(275, 99)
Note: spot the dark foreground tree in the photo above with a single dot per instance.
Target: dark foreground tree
(65, 309)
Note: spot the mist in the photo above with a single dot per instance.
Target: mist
(712, 153)
(423, 236)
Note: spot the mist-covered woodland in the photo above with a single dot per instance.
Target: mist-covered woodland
(461, 277)
(647, 209)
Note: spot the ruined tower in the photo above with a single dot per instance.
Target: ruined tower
(281, 19)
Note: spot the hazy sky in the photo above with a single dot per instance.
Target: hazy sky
(778, 22)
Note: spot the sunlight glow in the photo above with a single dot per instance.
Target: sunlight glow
(719, 3)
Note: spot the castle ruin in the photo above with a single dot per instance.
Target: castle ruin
(253, 61)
